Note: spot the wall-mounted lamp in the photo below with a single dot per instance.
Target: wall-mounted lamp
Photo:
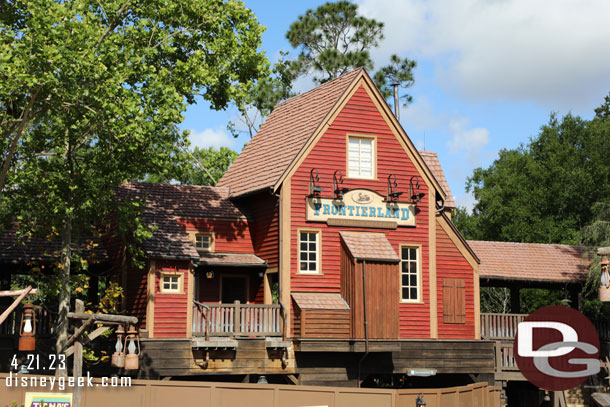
(314, 178)
(338, 190)
(393, 194)
(414, 193)
(209, 274)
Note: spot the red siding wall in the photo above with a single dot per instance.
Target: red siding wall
(170, 309)
(450, 263)
(263, 219)
(360, 116)
(231, 236)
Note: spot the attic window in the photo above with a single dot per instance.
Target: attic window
(204, 242)
(361, 157)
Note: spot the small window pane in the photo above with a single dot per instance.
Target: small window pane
(303, 236)
(413, 293)
(413, 254)
(405, 279)
(303, 256)
(303, 246)
(405, 293)
(413, 279)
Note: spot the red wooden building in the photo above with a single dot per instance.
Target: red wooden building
(329, 238)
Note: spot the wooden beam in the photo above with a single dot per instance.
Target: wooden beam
(77, 368)
(11, 293)
(122, 319)
(79, 331)
(88, 338)
(15, 303)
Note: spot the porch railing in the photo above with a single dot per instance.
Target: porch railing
(504, 326)
(500, 326)
(236, 319)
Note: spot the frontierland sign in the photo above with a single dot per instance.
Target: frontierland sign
(360, 207)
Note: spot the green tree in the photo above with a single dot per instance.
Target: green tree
(399, 72)
(262, 97)
(203, 166)
(544, 191)
(91, 93)
(333, 40)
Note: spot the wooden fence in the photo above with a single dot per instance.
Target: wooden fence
(236, 319)
(207, 394)
(504, 326)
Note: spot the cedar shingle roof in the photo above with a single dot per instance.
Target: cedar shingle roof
(165, 203)
(369, 246)
(433, 163)
(320, 301)
(230, 259)
(16, 250)
(281, 137)
(530, 261)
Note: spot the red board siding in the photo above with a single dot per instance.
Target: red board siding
(360, 116)
(136, 293)
(171, 309)
(231, 236)
(450, 263)
(263, 219)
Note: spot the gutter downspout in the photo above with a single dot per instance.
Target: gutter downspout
(366, 322)
(279, 269)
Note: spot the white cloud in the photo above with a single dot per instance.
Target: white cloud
(211, 138)
(466, 200)
(420, 115)
(468, 141)
(551, 52)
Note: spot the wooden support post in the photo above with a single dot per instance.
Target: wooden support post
(515, 300)
(77, 369)
(236, 319)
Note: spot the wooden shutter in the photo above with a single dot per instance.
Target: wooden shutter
(454, 301)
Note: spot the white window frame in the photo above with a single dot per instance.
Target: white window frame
(351, 173)
(171, 275)
(210, 235)
(317, 252)
(417, 262)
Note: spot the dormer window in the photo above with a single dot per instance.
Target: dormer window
(204, 242)
(361, 157)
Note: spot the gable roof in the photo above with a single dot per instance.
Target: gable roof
(431, 159)
(369, 246)
(531, 261)
(165, 203)
(16, 250)
(295, 125)
(281, 137)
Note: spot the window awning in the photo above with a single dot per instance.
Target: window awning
(326, 301)
(231, 260)
(369, 246)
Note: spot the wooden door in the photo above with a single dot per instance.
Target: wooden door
(382, 296)
(382, 300)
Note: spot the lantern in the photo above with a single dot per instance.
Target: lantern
(132, 346)
(27, 330)
(118, 357)
(604, 286)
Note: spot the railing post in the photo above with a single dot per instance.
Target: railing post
(236, 319)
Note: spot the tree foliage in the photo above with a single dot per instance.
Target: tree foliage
(204, 166)
(91, 93)
(544, 191)
(399, 72)
(333, 40)
(262, 97)
(554, 189)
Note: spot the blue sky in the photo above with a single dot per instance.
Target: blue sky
(489, 71)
